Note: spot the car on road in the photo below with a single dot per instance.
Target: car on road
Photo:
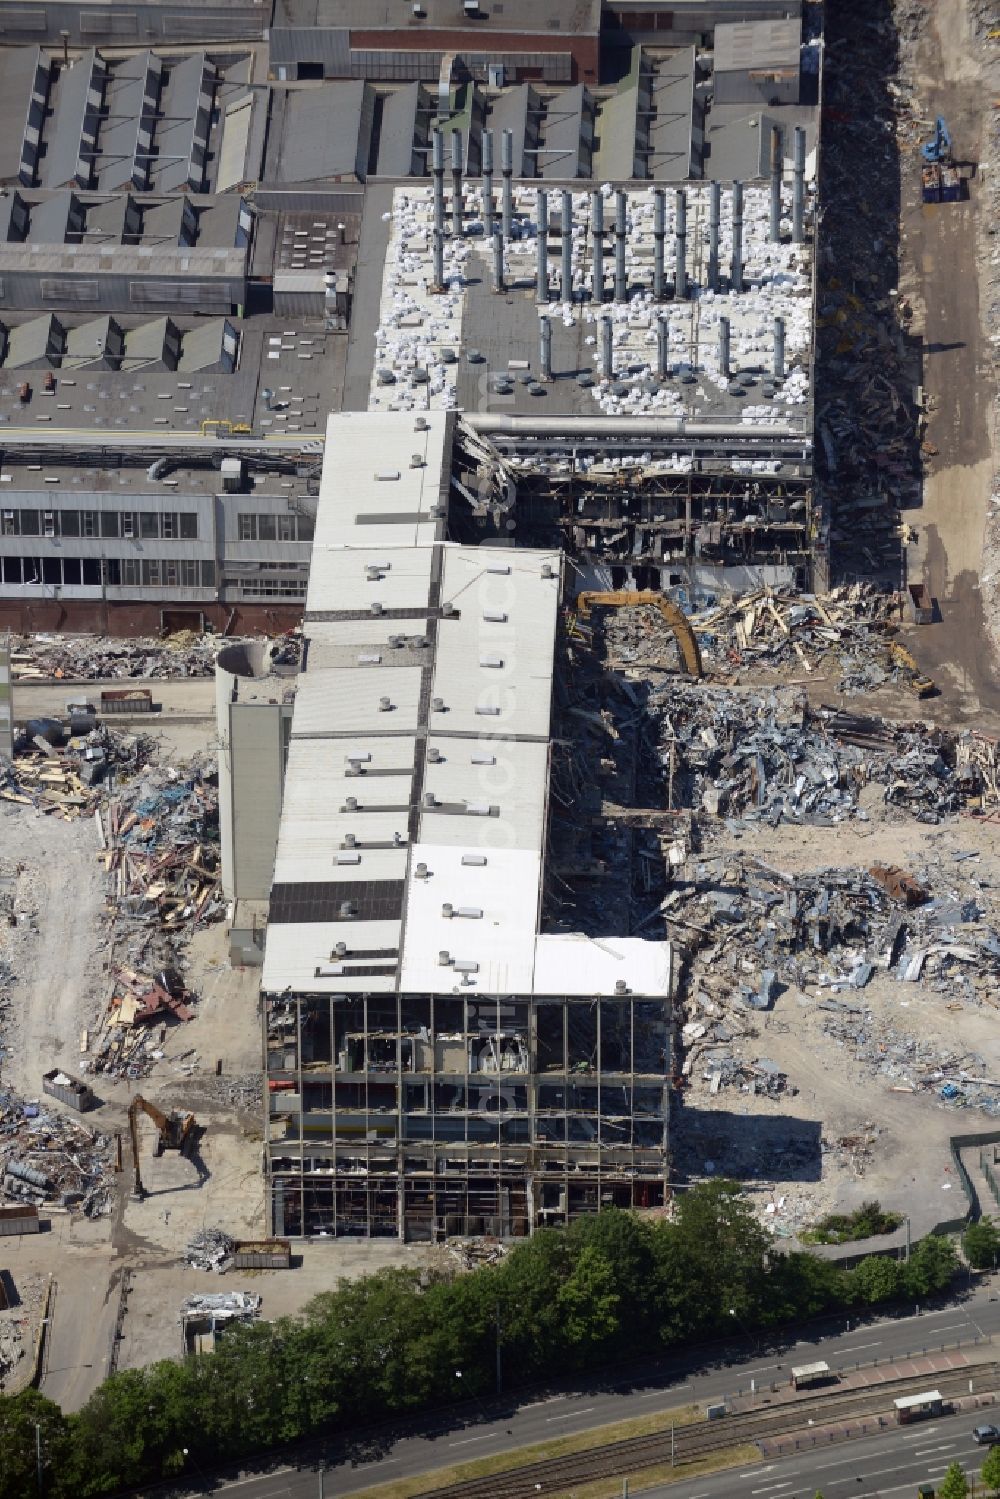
(986, 1435)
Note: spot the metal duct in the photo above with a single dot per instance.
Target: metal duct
(567, 246)
(779, 348)
(507, 168)
(662, 347)
(621, 283)
(799, 186)
(680, 266)
(714, 211)
(498, 281)
(607, 352)
(488, 182)
(597, 235)
(736, 269)
(437, 166)
(584, 428)
(437, 247)
(659, 235)
(542, 247)
(456, 183)
(774, 230)
(724, 346)
(545, 332)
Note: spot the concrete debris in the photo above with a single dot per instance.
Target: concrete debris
(160, 847)
(92, 658)
(772, 627)
(471, 1253)
(221, 1306)
(67, 776)
(47, 1158)
(210, 1249)
(771, 758)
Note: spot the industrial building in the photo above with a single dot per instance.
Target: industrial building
(437, 1062)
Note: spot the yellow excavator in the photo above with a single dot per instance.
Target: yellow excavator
(174, 1132)
(677, 620)
(919, 684)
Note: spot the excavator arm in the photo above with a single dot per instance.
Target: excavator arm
(174, 1132)
(675, 618)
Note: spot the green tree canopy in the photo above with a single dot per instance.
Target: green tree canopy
(981, 1243)
(877, 1278)
(954, 1484)
(931, 1266)
(990, 1471)
(19, 1415)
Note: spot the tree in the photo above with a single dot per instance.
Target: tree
(588, 1302)
(626, 1243)
(981, 1244)
(990, 1471)
(726, 1250)
(875, 1279)
(954, 1484)
(19, 1415)
(931, 1266)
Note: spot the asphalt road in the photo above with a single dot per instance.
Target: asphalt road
(487, 1428)
(895, 1463)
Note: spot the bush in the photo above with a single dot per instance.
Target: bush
(866, 1222)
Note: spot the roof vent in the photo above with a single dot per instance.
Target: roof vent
(474, 859)
(385, 476)
(421, 424)
(447, 910)
(397, 840)
(466, 965)
(417, 460)
(434, 755)
(430, 800)
(448, 609)
(496, 661)
(385, 705)
(396, 641)
(376, 607)
(472, 913)
(421, 872)
(444, 958)
(620, 986)
(547, 570)
(495, 616)
(437, 705)
(351, 839)
(340, 950)
(491, 710)
(347, 910)
(499, 567)
(349, 858)
(351, 804)
(373, 573)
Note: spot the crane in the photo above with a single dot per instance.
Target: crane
(175, 1131)
(676, 619)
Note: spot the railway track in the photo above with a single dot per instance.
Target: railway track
(556, 1474)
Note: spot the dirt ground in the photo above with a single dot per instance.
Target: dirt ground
(944, 248)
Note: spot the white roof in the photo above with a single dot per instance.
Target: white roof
(907, 1402)
(428, 716)
(577, 965)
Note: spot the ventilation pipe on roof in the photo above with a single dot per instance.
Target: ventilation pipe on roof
(714, 208)
(680, 266)
(779, 348)
(662, 347)
(799, 186)
(659, 236)
(545, 355)
(597, 234)
(498, 281)
(736, 269)
(607, 356)
(488, 182)
(724, 346)
(621, 283)
(774, 232)
(456, 183)
(567, 246)
(507, 168)
(542, 247)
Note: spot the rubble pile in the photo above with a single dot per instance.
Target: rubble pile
(70, 780)
(48, 1158)
(210, 1249)
(160, 844)
(768, 757)
(778, 628)
(747, 931)
(99, 658)
(961, 1078)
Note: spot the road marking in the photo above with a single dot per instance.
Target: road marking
(758, 1472)
(570, 1414)
(858, 1347)
(926, 1451)
(659, 1394)
(768, 1487)
(749, 1373)
(238, 1483)
(384, 1462)
(466, 1440)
